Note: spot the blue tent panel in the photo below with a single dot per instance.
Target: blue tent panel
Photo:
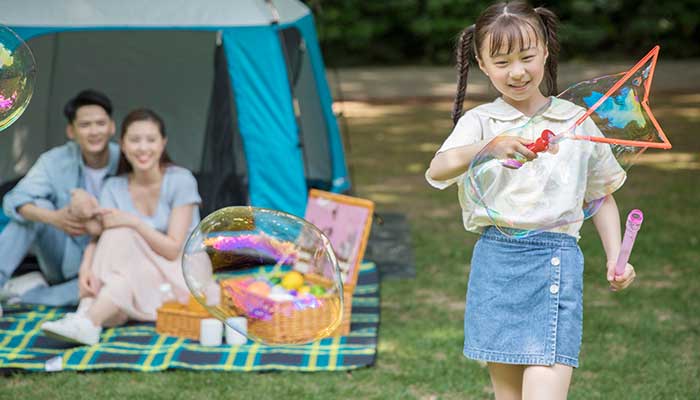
(266, 118)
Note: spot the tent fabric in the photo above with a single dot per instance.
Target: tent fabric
(259, 78)
(76, 14)
(341, 183)
(222, 176)
(160, 54)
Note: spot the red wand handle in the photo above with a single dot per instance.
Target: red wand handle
(538, 146)
(542, 143)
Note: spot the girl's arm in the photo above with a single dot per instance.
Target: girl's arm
(607, 222)
(167, 245)
(454, 162)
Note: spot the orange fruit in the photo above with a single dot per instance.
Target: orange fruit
(260, 288)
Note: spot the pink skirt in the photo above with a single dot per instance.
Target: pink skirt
(132, 274)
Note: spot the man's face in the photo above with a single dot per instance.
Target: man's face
(91, 129)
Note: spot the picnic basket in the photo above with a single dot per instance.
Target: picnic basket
(289, 321)
(331, 213)
(179, 319)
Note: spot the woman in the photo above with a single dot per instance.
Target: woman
(146, 211)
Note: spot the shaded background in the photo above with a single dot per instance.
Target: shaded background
(399, 32)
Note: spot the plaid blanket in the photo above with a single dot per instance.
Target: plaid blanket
(138, 347)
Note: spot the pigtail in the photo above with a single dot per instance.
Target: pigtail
(550, 24)
(464, 55)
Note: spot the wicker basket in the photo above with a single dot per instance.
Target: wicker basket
(280, 321)
(314, 214)
(182, 320)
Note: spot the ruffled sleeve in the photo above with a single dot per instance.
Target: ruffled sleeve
(467, 131)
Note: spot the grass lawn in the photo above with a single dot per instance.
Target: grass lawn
(643, 343)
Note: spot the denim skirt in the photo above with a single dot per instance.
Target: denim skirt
(525, 300)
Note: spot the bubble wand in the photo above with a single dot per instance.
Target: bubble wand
(629, 89)
(634, 222)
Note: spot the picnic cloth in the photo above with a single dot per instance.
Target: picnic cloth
(138, 347)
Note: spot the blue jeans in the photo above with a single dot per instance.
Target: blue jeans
(48, 244)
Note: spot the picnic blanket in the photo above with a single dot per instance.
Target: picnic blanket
(138, 347)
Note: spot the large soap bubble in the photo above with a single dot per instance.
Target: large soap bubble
(276, 270)
(522, 198)
(17, 75)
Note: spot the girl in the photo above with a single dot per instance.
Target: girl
(524, 302)
(147, 211)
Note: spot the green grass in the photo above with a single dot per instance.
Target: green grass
(643, 343)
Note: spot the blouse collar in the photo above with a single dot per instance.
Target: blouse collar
(558, 110)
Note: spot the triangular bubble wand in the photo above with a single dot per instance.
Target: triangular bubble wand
(622, 113)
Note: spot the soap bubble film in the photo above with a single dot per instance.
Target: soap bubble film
(17, 76)
(276, 270)
(619, 106)
(527, 200)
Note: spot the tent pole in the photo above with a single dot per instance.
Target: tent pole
(274, 12)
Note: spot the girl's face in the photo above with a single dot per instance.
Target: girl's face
(516, 74)
(143, 145)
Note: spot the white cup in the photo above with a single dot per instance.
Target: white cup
(211, 332)
(236, 337)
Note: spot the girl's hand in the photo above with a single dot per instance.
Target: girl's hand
(619, 282)
(510, 147)
(113, 218)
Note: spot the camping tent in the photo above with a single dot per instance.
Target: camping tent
(240, 84)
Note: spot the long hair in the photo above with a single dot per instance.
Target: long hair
(142, 114)
(508, 23)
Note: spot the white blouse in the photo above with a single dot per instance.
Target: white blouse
(546, 193)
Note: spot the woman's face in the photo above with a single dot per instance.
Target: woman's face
(143, 145)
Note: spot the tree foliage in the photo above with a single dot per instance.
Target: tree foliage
(393, 32)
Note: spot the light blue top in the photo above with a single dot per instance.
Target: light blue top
(179, 188)
(51, 178)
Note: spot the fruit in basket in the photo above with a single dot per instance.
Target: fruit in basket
(292, 280)
(248, 251)
(275, 280)
(317, 290)
(304, 290)
(278, 293)
(261, 288)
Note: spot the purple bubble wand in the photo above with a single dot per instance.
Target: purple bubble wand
(634, 222)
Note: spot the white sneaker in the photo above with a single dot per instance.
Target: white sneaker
(20, 285)
(74, 328)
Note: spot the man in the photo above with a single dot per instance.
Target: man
(39, 205)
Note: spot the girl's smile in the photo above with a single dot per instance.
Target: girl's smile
(519, 85)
